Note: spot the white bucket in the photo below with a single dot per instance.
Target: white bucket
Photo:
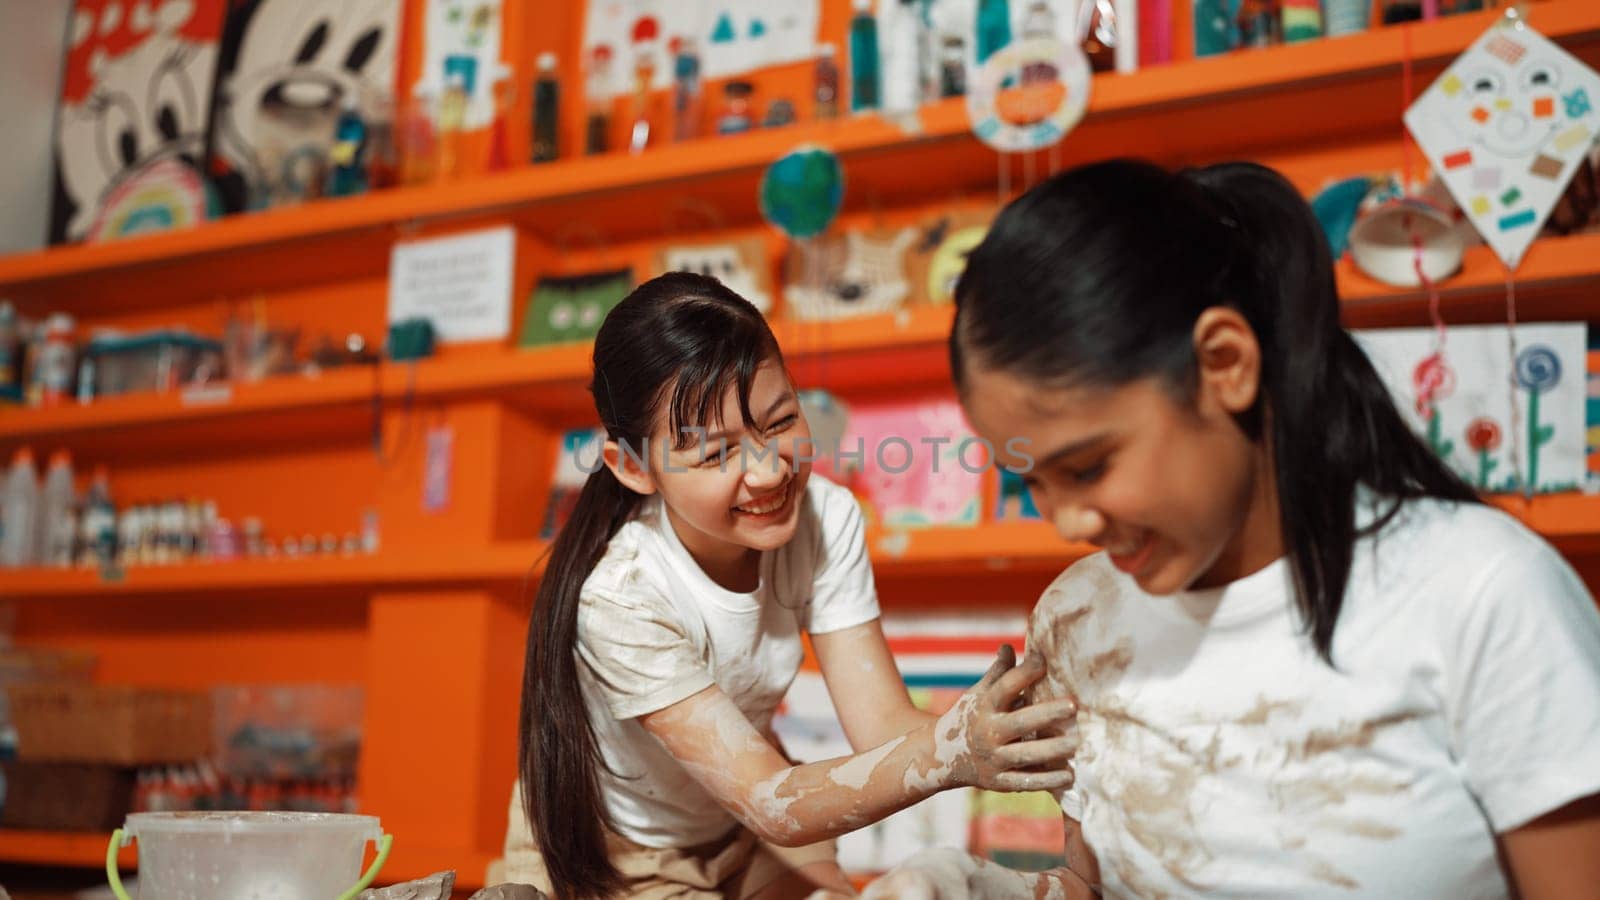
(248, 855)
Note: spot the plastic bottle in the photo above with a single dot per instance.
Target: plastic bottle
(825, 83)
(546, 109)
(952, 66)
(56, 362)
(597, 95)
(865, 73)
(1039, 22)
(99, 525)
(994, 27)
(10, 354)
(349, 152)
(688, 96)
(901, 62)
(19, 513)
(57, 516)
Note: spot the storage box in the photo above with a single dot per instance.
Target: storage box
(119, 725)
(66, 796)
(151, 361)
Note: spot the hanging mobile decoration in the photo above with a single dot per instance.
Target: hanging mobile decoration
(802, 191)
(1506, 126)
(1049, 100)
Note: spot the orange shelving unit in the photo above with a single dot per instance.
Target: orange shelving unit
(432, 624)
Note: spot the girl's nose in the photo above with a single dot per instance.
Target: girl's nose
(767, 471)
(1076, 522)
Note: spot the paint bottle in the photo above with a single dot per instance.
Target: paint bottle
(348, 155)
(546, 114)
(952, 66)
(55, 362)
(19, 513)
(10, 354)
(901, 61)
(825, 83)
(1039, 22)
(994, 27)
(1259, 24)
(644, 74)
(1216, 26)
(1345, 16)
(866, 78)
(687, 90)
(452, 119)
(597, 96)
(1302, 20)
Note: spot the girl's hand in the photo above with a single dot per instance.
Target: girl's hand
(991, 741)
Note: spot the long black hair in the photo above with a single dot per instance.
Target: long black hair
(677, 344)
(1097, 277)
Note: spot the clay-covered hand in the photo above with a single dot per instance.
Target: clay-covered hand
(992, 739)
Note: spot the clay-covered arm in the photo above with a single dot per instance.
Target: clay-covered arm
(981, 741)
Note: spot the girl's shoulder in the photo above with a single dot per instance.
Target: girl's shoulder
(626, 566)
(1469, 537)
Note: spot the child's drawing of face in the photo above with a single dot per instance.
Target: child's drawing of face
(1511, 111)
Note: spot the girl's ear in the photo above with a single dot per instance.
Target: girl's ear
(1229, 360)
(625, 464)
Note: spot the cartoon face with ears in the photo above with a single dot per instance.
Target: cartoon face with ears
(1512, 111)
(290, 68)
(135, 103)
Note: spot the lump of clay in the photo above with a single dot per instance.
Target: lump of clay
(510, 892)
(435, 887)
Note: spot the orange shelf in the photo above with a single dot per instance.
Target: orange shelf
(1558, 273)
(1302, 82)
(87, 850)
(878, 351)
(508, 562)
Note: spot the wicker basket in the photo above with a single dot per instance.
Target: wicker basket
(114, 725)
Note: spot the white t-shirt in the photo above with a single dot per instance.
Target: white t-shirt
(653, 629)
(1222, 757)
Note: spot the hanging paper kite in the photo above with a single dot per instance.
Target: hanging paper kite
(1506, 126)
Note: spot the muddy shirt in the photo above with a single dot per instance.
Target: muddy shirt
(1222, 757)
(653, 629)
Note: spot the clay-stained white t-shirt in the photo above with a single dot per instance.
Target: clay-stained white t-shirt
(653, 629)
(1222, 757)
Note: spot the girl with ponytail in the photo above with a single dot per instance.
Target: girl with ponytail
(668, 625)
(1308, 662)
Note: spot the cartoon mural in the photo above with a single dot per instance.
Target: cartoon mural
(130, 131)
(289, 68)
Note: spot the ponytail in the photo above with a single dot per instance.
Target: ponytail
(1331, 422)
(560, 784)
(664, 359)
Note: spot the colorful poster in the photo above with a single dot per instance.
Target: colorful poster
(1506, 126)
(732, 37)
(289, 69)
(131, 128)
(461, 48)
(1501, 423)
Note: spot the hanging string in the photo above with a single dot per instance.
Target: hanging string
(1511, 385)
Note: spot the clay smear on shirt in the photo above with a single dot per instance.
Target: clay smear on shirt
(1150, 774)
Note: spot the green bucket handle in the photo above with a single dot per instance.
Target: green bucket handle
(120, 840)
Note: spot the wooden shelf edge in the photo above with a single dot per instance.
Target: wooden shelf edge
(1189, 82)
(508, 562)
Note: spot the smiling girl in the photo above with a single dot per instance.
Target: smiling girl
(668, 627)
